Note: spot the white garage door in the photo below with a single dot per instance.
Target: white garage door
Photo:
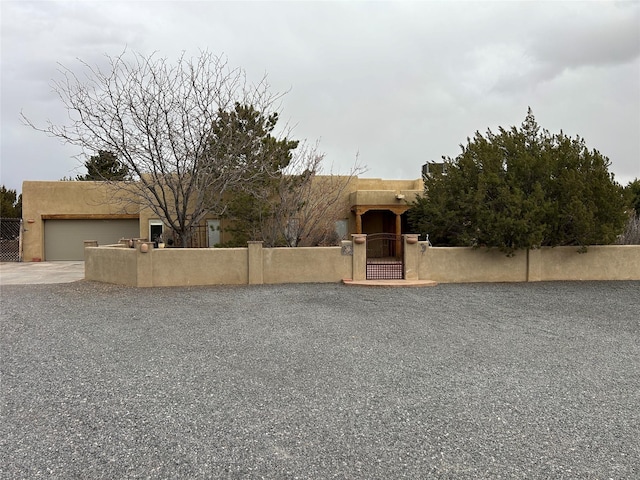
(64, 239)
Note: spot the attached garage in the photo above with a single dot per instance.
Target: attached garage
(64, 238)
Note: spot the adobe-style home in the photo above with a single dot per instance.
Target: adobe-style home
(59, 216)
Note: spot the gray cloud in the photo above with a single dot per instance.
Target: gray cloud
(597, 40)
(399, 82)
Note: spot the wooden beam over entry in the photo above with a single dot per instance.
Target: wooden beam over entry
(398, 210)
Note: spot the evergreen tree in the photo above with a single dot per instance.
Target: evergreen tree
(521, 188)
(10, 203)
(632, 192)
(104, 166)
(243, 137)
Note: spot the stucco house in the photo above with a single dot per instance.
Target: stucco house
(59, 216)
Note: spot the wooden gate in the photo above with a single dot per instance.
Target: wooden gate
(385, 256)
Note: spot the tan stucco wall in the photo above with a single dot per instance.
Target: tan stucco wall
(79, 200)
(198, 266)
(393, 195)
(255, 265)
(305, 264)
(96, 200)
(394, 185)
(111, 265)
(608, 262)
(212, 266)
(383, 197)
(459, 264)
(72, 199)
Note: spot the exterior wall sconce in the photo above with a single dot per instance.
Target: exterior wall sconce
(399, 196)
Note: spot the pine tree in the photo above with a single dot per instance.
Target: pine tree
(10, 203)
(104, 166)
(243, 135)
(522, 188)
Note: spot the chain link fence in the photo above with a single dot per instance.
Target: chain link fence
(10, 239)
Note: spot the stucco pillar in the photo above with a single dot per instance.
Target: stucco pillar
(358, 222)
(256, 274)
(144, 260)
(411, 257)
(359, 258)
(88, 243)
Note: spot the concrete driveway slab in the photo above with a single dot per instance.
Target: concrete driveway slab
(15, 273)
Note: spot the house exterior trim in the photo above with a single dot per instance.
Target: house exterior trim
(91, 216)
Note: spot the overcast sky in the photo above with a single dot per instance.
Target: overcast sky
(401, 83)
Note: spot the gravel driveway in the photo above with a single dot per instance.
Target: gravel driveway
(536, 380)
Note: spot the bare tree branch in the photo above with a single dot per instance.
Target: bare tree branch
(157, 118)
(312, 201)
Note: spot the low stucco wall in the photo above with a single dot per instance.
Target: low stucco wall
(111, 265)
(305, 265)
(256, 265)
(460, 264)
(198, 266)
(215, 266)
(606, 262)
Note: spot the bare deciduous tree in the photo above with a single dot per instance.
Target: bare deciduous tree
(158, 119)
(631, 234)
(310, 202)
(297, 205)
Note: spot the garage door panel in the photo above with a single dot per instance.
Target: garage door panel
(64, 239)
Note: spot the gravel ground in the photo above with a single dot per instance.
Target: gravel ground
(536, 380)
